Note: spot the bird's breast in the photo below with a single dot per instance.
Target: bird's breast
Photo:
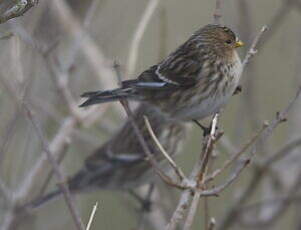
(212, 93)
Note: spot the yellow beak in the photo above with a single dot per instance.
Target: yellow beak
(239, 43)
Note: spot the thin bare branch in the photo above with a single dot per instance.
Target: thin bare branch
(64, 188)
(281, 153)
(212, 224)
(98, 62)
(138, 35)
(180, 210)
(252, 51)
(5, 192)
(236, 155)
(50, 174)
(146, 150)
(232, 212)
(280, 210)
(177, 170)
(217, 15)
(92, 216)
(192, 210)
(195, 181)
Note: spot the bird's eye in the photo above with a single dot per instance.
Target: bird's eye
(229, 41)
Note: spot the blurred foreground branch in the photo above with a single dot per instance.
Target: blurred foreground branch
(18, 8)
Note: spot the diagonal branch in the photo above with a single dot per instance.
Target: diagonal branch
(134, 46)
(57, 171)
(177, 170)
(237, 155)
(146, 150)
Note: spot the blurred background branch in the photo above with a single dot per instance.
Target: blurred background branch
(59, 49)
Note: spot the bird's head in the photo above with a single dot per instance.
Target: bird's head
(221, 39)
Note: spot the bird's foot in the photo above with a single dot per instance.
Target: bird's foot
(145, 202)
(206, 130)
(237, 90)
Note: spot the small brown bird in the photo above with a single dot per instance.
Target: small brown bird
(193, 82)
(120, 164)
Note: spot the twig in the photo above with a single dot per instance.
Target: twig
(138, 34)
(100, 65)
(11, 216)
(58, 143)
(177, 170)
(197, 171)
(217, 12)
(59, 74)
(252, 51)
(228, 219)
(291, 193)
(192, 210)
(237, 155)
(180, 210)
(146, 150)
(269, 202)
(200, 170)
(10, 130)
(5, 192)
(208, 150)
(64, 188)
(206, 213)
(75, 44)
(118, 73)
(56, 146)
(212, 224)
(234, 175)
(264, 135)
(162, 50)
(248, 104)
(92, 216)
(230, 215)
(283, 152)
(60, 79)
(18, 9)
(50, 174)
(278, 18)
(146, 205)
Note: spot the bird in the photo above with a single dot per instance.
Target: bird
(191, 83)
(120, 163)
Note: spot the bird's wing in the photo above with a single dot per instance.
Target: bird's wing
(104, 156)
(180, 69)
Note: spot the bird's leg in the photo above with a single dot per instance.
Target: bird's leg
(146, 202)
(237, 90)
(206, 130)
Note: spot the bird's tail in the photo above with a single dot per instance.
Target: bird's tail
(41, 200)
(127, 90)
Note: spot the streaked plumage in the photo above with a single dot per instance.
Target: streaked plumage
(194, 81)
(120, 162)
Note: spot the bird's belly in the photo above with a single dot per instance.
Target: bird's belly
(203, 109)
